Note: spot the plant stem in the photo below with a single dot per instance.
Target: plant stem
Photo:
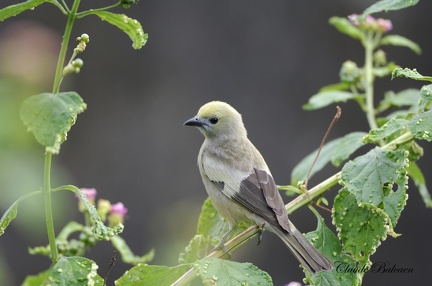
(64, 45)
(369, 45)
(48, 156)
(48, 207)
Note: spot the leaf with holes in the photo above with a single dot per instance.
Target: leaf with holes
(366, 176)
(361, 226)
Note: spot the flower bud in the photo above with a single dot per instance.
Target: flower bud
(380, 58)
(104, 207)
(384, 25)
(349, 72)
(83, 38)
(117, 214)
(78, 63)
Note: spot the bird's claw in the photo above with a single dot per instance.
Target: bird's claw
(260, 231)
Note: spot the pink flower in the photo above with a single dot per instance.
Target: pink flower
(370, 23)
(119, 208)
(89, 192)
(384, 25)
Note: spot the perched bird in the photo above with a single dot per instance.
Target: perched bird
(240, 184)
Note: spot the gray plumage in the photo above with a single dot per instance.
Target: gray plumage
(240, 184)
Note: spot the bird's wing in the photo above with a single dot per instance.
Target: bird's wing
(255, 191)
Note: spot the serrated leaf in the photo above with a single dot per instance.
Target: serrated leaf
(326, 98)
(387, 5)
(151, 275)
(426, 92)
(193, 251)
(345, 26)
(210, 224)
(396, 40)
(394, 204)
(410, 73)
(366, 176)
(40, 279)
(130, 26)
(214, 271)
(327, 243)
(126, 253)
(420, 126)
(75, 271)
(417, 176)
(361, 226)
(346, 145)
(16, 9)
(50, 116)
(12, 211)
(390, 127)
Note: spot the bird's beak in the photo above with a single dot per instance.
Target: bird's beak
(195, 121)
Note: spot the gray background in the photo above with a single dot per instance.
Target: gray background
(266, 58)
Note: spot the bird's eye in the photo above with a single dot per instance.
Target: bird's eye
(213, 120)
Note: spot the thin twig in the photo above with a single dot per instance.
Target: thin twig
(335, 119)
(113, 260)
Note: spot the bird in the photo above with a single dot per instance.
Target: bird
(240, 185)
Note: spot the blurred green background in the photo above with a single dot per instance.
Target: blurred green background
(266, 59)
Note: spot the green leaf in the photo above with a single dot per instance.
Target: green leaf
(396, 40)
(334, 151)
(426, 92)
(151, 275)
(394, 204)
(335, 86)
(367, 175)
(16, 9)
(406, 97)
(361, 226)
(126, 253)
(345, 146)
(387, 5)
(130, 26)
(193, 251)
(344, 26)
(210, 224)
(50, 116)
(326, 242)
(390, 127)
(40, 279)
(75, 271)
(214, 271)
(410, 73)
(12, 211)
(300, 171)
(420, 126)
(326, 98)
(417, 176)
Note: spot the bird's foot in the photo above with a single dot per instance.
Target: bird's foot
(260, 231)
(221, 247)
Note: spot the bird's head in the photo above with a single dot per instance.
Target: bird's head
(218, 119)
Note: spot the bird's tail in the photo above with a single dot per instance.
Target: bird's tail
(302, 249)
